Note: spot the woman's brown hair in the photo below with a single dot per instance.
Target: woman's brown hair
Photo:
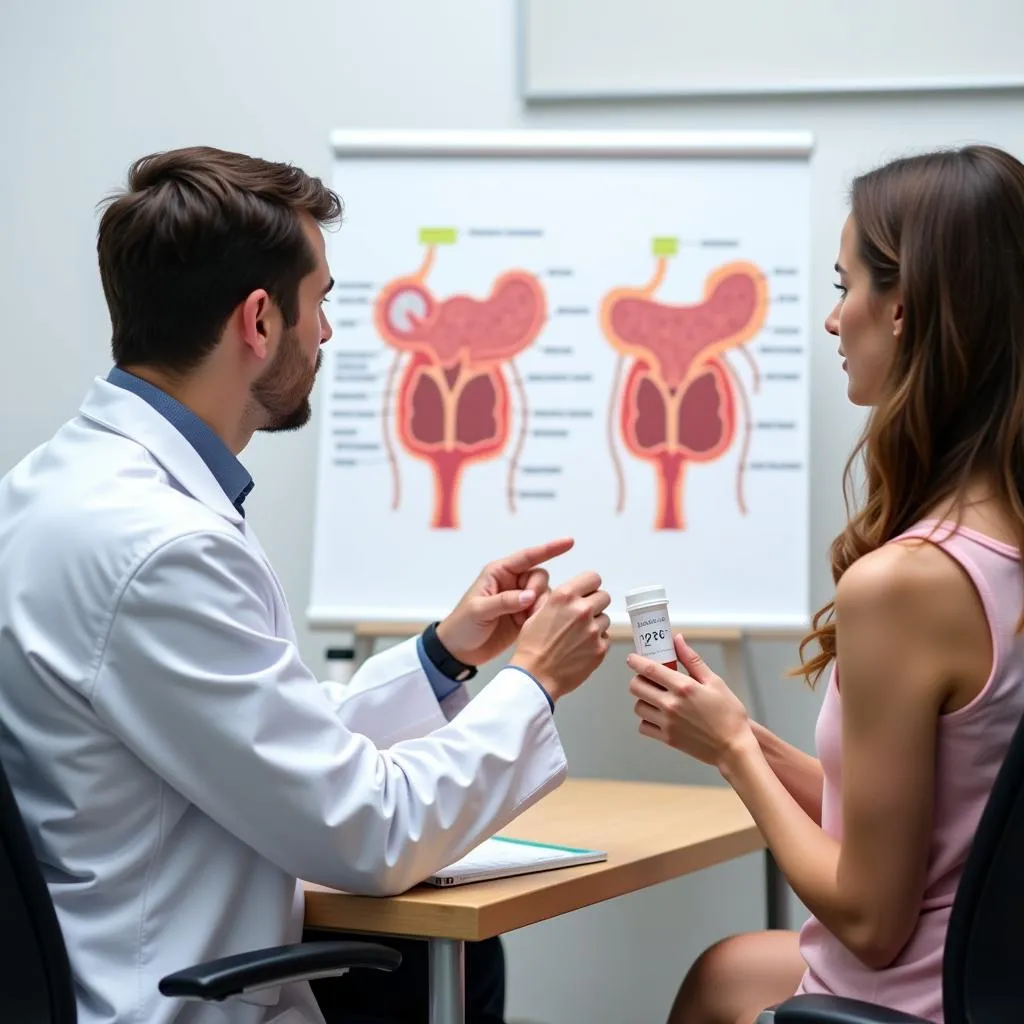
(946, 229)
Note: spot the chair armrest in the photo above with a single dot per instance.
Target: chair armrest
(817, 1009)
(217, 980)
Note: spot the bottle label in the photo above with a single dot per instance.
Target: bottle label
(652, 634)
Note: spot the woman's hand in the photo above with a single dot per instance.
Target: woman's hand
(695, 713)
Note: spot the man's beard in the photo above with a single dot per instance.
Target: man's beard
(284, 389)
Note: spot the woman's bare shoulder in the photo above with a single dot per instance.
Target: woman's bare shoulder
(911, 570)
(919, 603)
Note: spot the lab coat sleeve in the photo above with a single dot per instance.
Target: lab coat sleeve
(193, 678)
(389, 697)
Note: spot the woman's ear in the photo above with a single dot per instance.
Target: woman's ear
(897, 317)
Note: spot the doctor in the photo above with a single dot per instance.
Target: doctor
(178, 766)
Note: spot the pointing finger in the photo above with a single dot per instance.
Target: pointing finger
(529, 557)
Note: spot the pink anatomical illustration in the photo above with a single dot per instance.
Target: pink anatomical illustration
(678, 404)
(452, 405)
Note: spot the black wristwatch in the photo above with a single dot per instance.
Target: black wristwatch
(442, 659)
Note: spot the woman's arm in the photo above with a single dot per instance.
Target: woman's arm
(892, 663)
(798, 772)
(899, 613)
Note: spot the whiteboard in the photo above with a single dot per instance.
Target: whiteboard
(546, 334)
(572, 49)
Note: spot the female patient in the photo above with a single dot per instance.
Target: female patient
(922, 642)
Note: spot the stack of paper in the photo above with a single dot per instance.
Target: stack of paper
(500, 857)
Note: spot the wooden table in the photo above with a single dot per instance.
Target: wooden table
(652, 833)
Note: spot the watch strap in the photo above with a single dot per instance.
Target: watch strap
(442, 659)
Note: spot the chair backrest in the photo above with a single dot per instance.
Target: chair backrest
(35, 976)
(983, 962)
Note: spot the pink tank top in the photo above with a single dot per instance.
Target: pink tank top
(972, 743)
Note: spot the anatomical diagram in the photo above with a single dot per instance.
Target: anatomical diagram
(451, 406)
(679, 401)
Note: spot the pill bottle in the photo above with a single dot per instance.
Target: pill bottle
(652, 629)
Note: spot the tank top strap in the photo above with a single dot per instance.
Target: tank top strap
(942, 531)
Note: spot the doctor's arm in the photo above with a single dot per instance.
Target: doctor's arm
(194, 680)
(484, 622)
(395, 695)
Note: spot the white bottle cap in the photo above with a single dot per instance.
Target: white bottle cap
(646, 597)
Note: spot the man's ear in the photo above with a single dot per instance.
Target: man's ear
(255, 314)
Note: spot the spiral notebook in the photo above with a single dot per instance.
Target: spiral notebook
(501, 857)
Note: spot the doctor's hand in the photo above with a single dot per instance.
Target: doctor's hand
(490, 614)
(693, 711)
(566, 638)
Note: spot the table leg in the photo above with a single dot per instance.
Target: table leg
(776, 893)
(741, 675)
(447, 964)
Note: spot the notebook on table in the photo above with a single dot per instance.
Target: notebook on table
(501, 857)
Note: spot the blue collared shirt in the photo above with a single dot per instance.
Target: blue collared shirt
(232, 476)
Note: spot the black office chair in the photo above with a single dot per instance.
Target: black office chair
(983, 960)
(35, 976)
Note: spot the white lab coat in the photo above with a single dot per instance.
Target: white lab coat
(177, 765)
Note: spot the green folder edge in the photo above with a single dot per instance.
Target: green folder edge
(544, 846)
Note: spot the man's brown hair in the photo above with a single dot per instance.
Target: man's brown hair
(195, 232)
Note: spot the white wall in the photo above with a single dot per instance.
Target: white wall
(87, 87)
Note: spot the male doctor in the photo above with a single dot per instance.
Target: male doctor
(177, 765)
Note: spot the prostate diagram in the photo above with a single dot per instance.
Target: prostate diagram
(451, 406)
(678, 403)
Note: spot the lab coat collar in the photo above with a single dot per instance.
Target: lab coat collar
(130, 416)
